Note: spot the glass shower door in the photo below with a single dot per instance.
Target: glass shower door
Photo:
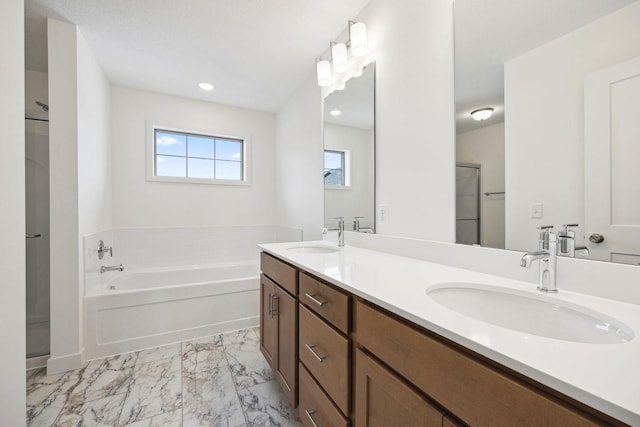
(468, 203)
(37, 235)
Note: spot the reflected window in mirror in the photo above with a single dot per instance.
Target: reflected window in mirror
(336, 168)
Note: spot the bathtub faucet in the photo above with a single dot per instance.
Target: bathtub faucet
(104, 268)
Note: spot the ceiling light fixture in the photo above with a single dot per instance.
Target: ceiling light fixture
(328, 69)
(335, 113)
(482, 113)
(206, 86)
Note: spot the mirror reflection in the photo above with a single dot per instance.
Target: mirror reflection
(349, 154)
(561, 148)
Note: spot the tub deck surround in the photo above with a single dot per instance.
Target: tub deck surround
(154, 307)
(603, 376)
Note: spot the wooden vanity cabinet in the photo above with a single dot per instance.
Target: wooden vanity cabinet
(325, 352)
(477, 393)
(355, 363)
(383, 399)
(279, 323)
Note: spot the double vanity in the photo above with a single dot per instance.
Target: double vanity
(366, 338)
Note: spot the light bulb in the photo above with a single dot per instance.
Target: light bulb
(335, 113)
(323, 69)
(358, 37)
(339, 57)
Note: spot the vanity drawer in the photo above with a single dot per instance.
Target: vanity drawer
(283, 274)
(314, 404)
(326, 301)
(477, 393)
(325, 353)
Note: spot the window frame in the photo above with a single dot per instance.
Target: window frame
(346, 168)
(151, 156)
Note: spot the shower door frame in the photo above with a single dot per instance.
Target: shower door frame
(478, 168)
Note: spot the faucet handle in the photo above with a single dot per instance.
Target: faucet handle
(545, 232)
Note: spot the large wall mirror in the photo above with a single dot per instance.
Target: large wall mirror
(563, 144)
(349, 154)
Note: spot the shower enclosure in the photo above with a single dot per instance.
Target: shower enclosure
(468, 203)
(37, 233)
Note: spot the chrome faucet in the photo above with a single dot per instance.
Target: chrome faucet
(104, 268)
(547, 255)
(340, 230)
(356, 223)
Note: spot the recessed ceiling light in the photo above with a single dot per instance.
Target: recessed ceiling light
(335, 113)
(206, 86)
(482, 113)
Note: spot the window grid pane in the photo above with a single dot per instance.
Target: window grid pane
(187, 155)
(334, 167)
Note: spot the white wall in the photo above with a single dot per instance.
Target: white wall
(412, 45)
(63, 194)
(141, 203)
(80, 180)
(300, 162)
(12, 219)
(357, 199)
(485, 146)
(544, 123)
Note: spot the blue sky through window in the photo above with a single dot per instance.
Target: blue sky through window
(198, 156)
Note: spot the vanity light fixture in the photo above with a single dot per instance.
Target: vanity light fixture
(206, 86)
(335, 113)
(482, 113)
(357, 46)
(323, 70)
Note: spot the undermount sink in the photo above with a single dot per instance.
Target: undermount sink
(315, 249)
(533, 314)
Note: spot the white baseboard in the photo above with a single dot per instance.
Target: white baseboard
(37, 362)
(59, 364)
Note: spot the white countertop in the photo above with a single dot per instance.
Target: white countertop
(604, 376)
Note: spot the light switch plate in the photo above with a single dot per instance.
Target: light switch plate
(383, 214)
(536, 210)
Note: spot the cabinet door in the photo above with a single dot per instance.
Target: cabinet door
(382, 399)
(286, 368)
(268, 320)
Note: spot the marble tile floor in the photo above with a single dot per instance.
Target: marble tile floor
(221, 380)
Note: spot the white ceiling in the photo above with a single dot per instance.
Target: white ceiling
(490, 32)
(356, 102)
(256, 52)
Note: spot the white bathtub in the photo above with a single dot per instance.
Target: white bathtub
(139, 309)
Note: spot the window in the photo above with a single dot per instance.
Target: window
(194, 157)
(334, 167)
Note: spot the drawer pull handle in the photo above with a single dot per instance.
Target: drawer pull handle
(314, 299)
(316, 355)
(310, 416)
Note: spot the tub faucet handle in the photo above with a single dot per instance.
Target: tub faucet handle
(103, 249)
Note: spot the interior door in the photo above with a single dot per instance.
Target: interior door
(612, 162)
